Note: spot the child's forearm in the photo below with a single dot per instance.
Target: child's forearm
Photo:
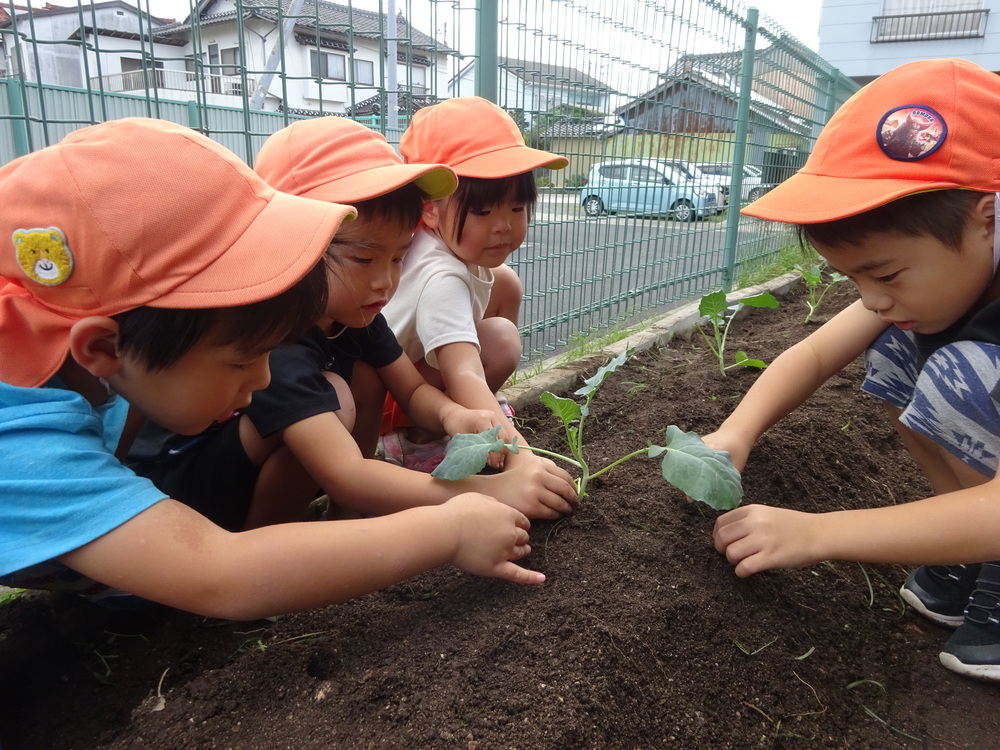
(959, 527)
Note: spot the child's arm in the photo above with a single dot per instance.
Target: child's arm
(793, 377)
(171, 554)
(327, 451)
(429, 408)
(958, 527)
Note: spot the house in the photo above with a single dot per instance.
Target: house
(530, 88)
(582, 140)
(335, 56)
(692, 113)
(866, 38)
(105, 38)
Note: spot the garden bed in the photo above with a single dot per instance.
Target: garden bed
(641, 637)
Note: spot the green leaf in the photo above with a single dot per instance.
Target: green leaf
(566, 409)
(592, 383)
(713, 306)
(760, 300)
(835, 277)
(743, 360)
(812, 275)
(700, 472)
(467, 454)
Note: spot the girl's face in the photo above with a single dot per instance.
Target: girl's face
(367, 257)
(488, 237)
(919, 283)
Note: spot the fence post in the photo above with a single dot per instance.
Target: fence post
(194, 116)
(739, 151)
(18, 122)
(488, 64)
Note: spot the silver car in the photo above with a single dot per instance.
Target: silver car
(646, 187)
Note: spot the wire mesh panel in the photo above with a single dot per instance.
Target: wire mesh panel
(671, 114)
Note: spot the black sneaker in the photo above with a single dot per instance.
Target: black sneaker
(940, 592)
(974, 649)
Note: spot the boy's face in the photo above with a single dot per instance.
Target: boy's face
(489, 236)
(207, 384)
(365, 273)
(918, 283)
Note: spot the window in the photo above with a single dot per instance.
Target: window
(364, 72)
(645, 174)
(230, 60)
(327, 65)
(418, 80)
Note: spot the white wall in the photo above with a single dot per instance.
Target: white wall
(846, 27)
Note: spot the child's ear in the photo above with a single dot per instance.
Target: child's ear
(431, 215)
(93, 343)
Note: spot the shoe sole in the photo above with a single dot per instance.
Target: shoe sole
(948, 621)
(979, 671)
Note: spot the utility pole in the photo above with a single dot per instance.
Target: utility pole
(257, 101)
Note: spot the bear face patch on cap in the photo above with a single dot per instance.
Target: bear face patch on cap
(911, 132)
(43, 255)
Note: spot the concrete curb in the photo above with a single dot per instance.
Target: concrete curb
(556, 377)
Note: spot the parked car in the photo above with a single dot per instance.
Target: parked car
(647, 187)
(697, 175)
(752, 187)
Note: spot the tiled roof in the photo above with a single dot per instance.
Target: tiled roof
(541, 73)
(333, 18)
(404, 104)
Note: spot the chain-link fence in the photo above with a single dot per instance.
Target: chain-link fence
(672, 114)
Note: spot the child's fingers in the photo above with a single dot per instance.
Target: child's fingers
(511, 572)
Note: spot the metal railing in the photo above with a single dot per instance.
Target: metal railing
(699, 81)
(912, 27)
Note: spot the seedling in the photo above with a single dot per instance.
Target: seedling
(700, 472)
(814, 280)
(719, 316)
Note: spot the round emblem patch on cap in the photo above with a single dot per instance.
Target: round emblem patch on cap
(910, 133)
(43, 255)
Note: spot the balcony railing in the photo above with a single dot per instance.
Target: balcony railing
(957, 24)
(177, 80)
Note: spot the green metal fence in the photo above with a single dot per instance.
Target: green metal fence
(645, 89)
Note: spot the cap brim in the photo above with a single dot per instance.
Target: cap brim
(507, 162)
(283, 242)
(812, 199)
(435, 181)
(41, 336)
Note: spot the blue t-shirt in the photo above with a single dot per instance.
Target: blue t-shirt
(61, 485)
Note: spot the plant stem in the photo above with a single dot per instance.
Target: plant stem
(567, 459)
(609, 467)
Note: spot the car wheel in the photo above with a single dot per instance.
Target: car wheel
(592, 205)
(683, 211)
(756, 193)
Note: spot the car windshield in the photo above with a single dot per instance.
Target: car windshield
(723, 170)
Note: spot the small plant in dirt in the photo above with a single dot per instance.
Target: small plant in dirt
(718, 314)
(700, 472)
(814, 282)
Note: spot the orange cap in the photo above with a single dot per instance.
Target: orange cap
(475, 138)
(139, 212)
(336, 159)
(927, 125)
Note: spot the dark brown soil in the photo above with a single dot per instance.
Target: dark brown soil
(642, 637)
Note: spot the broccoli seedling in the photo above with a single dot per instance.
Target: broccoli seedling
(700, 472)
(719, 315)
(814, 279)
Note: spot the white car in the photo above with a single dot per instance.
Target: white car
(752, 187)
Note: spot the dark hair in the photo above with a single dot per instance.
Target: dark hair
(403, 206)
(157, 337)
(477, 194)
(941, 214)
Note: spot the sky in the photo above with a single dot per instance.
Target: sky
(800, 18)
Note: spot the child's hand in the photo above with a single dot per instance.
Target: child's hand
(759, 537)
(539, 489)
(488, 536)
(470, 421)
(738, 450)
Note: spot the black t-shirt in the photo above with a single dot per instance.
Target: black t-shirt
(298, 389)
(979, 325)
